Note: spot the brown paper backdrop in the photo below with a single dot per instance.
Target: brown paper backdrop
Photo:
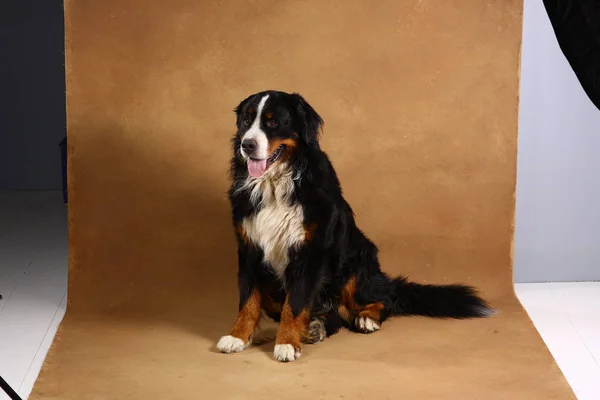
(420, 104)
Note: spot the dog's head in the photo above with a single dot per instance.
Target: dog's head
(271, 125)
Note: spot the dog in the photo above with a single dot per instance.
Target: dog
(302, 260)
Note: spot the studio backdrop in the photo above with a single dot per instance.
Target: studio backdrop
(420, 103)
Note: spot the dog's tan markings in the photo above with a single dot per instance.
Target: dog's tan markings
(270, 305)
(275, 143)
(242, 233)
(372, 311)
(269, 115)
(248, 318)
(349, 309)
(348, 305)
(309, 231)
(290, 144)
(292, 329)
(250, 110)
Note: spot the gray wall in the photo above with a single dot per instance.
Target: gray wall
(32, 94)
(557, 234)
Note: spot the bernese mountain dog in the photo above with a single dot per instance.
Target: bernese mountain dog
(301, 258)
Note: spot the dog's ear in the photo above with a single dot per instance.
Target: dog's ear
(239, 108)
(311, 121)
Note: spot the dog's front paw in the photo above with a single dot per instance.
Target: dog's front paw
(286, 352)
(231, 344)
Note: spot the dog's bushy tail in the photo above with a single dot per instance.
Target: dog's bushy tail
(438, 301)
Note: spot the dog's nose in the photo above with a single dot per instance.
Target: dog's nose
(249, 146)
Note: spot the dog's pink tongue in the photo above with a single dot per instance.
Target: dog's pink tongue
(257, 167)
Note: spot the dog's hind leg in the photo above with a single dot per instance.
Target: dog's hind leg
(369, 318)
(361, 307)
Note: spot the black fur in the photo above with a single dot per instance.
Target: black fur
(337, 250)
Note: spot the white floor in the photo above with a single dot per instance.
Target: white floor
(33, 281)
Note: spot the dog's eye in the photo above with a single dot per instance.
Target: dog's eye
(247, 121)
(272, 123)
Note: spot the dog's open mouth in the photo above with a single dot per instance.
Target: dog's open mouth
(256, 168)
(275, 155)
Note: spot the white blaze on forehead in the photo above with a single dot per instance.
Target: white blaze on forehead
(257, 134)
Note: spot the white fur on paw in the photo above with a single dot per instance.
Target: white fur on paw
(231, 344)
(366, 324)
(286, 352)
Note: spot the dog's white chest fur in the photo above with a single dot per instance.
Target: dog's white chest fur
(278, 226)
